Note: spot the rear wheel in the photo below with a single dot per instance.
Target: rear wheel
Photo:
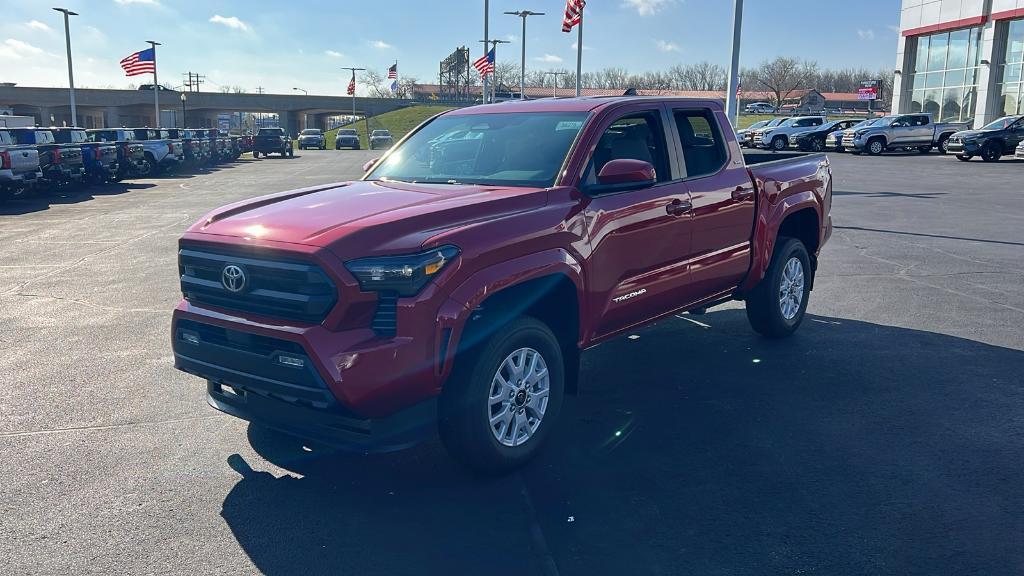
(153, 167)
(776, 307)
(504, 397)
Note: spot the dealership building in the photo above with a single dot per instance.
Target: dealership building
(960, 59)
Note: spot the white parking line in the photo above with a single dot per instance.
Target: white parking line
(688, 319)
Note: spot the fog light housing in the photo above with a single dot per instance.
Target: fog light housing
(291, 361)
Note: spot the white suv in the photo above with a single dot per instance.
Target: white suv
(777, 138)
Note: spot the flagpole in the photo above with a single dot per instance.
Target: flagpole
(487, 8)
(156, 89)
(579, 54)
(731, 103)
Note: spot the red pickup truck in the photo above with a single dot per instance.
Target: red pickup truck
(457, 283)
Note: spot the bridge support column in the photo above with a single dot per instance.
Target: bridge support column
(289, 121)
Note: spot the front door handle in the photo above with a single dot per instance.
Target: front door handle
(741, 194)
(678, 207)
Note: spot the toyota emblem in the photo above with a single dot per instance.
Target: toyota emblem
(233, 278)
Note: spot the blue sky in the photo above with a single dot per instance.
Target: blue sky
(280, 45)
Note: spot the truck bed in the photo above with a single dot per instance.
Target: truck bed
(752, 157)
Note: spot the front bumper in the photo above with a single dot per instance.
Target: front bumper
(963, 147)
(346, 143)
(343, 388)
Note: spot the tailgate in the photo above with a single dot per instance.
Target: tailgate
(24, 160)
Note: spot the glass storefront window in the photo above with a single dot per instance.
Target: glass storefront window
(1010, 98)
(1011, 91)
(945, 74)
(1015, 42)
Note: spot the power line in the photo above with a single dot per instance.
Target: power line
(194, 81)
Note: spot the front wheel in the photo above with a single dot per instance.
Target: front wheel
(817, 145)
(779, 143)
(290, 153)
(876, 147)
(504, 397)
(776, 306)
(944, 145)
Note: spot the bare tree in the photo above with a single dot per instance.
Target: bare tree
(700, 76)
(506, 75)
(783, 76)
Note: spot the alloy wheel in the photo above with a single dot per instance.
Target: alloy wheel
(518, 397)
(791, 288)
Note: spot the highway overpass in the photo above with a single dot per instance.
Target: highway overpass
(99, 108)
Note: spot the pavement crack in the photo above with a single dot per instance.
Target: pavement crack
(107, 426)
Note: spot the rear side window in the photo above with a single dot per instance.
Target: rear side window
(638, 136)
(703, 147)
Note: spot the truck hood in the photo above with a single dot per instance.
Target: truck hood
(365, 217)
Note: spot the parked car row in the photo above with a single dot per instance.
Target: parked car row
(898, 132)
(37, 160)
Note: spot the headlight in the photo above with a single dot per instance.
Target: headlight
(406, 274)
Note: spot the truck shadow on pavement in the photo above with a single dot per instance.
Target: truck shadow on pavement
(694, 448)
(43, 201)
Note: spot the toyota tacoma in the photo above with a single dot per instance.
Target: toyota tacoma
(456, 288)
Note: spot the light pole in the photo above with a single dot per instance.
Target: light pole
(184, 116)
(524, 14)
(71, 74)
(304, 93)
(487, 13)
(554, 82)
(731, 105)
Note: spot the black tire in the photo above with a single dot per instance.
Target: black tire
(818, 145)
(779, 143)
(944, 144)
(991, 152)
(255, 154)
(464, 411)
(154, 168)
(764, 310)
(875, 146)
(964, 157)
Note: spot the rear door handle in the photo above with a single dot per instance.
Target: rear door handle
(678, 207)
(741, 194)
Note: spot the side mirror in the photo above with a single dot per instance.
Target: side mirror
(370, 164)
(625, 174)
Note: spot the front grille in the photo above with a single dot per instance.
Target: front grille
(240, 341)
(385, 320)
(278, 288)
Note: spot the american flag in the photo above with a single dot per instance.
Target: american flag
(352, 85)
(393, 71)
(142, 62)
(485, 64)
(573, 14)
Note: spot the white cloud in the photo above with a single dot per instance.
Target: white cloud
(230, 22)
(576, 44)
(37, 25)
(893, 28)
(127, 2)
(646, 7)
(549, 58)
(334, 54)
(868, 34)
(380, 45)
(18, 49)
(665, 46)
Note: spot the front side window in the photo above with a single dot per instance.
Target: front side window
(637, 136)
(703, 147)
(514, 149)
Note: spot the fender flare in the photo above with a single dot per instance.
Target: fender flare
(455, 313)
(767, 232)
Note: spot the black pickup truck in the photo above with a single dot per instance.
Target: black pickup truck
(62, 164)
(272, 141)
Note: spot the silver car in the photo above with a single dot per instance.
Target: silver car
(346, 138)
(381, 139)
(312, 138)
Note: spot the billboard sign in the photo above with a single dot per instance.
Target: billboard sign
(868, 90)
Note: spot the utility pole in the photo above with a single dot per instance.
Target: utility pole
(554, 81)
(366, 117)
(731, 104)
(259, 89)
(493, 44)
(156, 85)
(194, 81)
(71, 74)
(524, 14)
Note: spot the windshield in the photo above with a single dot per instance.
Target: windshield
(1002, 123)
(270, 132)
(310, 132)
(775, 122)
(757, 125)
(516, 149)
(346, 132)
(865, 123)
(381, 133)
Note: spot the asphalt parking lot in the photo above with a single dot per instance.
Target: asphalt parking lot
(886, 437)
